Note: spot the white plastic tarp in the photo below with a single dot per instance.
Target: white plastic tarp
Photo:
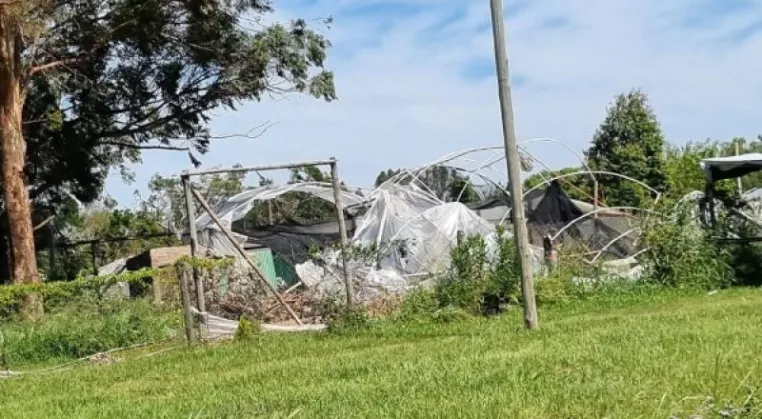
(719, 168)
(236, 207)
(415, 231)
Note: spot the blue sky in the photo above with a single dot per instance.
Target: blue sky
(415, 81)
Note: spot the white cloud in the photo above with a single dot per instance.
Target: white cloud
(415, 80)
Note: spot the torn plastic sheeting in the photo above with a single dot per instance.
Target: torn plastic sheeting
(369, 283)
(236, 207)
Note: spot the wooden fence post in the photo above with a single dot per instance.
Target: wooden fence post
(185, 295)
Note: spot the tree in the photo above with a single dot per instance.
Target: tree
(121, 76)
(102, 220)
(629, 142)
(385, 175)
(684, 175)
(444, 182)
(166, 198)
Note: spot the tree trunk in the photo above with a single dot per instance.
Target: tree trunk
(15, 193)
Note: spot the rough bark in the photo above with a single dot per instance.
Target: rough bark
(13, 149)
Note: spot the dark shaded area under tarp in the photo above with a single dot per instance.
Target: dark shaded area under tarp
(292, 243)
(555, 210)
(720, 168)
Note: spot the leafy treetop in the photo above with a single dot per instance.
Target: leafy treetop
(629, 142)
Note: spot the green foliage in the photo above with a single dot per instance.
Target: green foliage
(294, 207)
(468, 279)
(55, 291)
(109, 225)
(474, 275)
(12, 295)
(657, 355)
(444, 182)
(418, 305)
(86, 327)
(505, 273)
(349, 320)
(684, 175)
(681, 254)
(166, 198)
(247, 330)
(450, 314)
(383, 176)
(629, 142)
(170, 66)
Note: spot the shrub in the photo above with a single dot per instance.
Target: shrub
(418, 304)
(504, 277)
(681, 254)
(246, 330)
(467, 281)
(349, 320)
(450, 314)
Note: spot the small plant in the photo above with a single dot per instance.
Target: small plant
(417, 305)
(247, 330)
(450, 314)
(350, 320)
(504, 277)
(4, 365)
(464, 285)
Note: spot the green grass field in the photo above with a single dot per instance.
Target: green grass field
(616, 357)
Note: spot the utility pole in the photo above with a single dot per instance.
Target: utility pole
(520, 235)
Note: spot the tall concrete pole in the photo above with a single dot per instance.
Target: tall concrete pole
(520, 235)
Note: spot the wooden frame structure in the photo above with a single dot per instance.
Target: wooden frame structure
(192, 194)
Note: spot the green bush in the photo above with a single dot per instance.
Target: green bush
(681, 254)
(468, 278)
(450, 314)
(504, 275)
(349, 320)
(417, 305)
(246, 330)
(85, 327)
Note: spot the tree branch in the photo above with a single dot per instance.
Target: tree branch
(44, 223)
(144, 147)
(52, 65)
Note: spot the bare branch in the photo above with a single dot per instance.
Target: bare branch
(44, 223)
(144, 146)
(250, 134)
(52, 65)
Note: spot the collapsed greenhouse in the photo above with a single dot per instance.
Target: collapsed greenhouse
(407, 227)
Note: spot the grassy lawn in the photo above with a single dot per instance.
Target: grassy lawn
(617, 357)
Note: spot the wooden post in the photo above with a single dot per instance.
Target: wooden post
(185, 295)
(191, 212)
(342, 229)
(270, 217)
(520, 233)
(205, 205)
